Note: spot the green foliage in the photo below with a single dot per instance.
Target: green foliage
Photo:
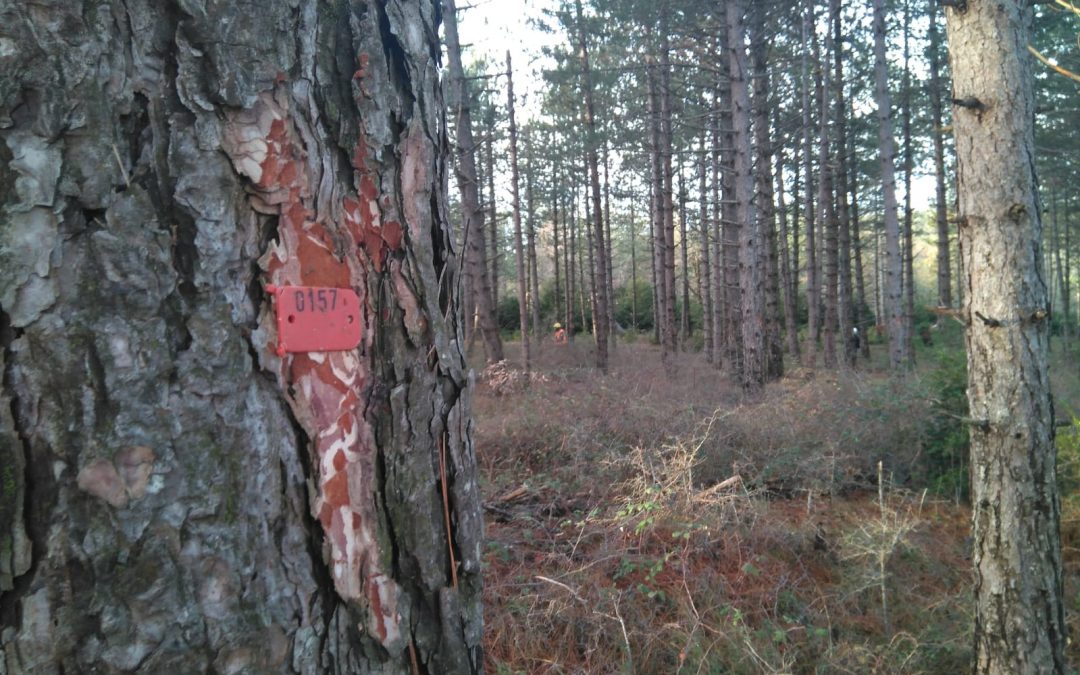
(946, 443)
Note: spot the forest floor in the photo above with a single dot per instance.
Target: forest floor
(656, 521)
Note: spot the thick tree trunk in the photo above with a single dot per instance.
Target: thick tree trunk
(899, 358)
(475, 250)
(1019, 615)
(199, 500)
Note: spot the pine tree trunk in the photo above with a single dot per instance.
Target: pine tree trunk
(1019, 615)
(944, 269)
(599, 267)
(844, 320)
(813, 292)
(826, 203)
(909, 166)
(519, 244)
(718, 233)
(475, 251)
(533, 268)
(899, 358)
(684, 251)
(197, 499)
(667, 188)
(787, 274)
(656, 209)
(493, 214)
(707, 308)
(751, 239)
(763, 194)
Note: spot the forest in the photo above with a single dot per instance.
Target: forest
(753, 454)
(539, 336)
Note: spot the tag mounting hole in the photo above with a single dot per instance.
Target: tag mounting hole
(292, 318)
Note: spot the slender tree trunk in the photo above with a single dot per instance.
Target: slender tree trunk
(844, 319)
(752, 239)
(858, 321)
(909, 165)
(944, 269)
(182, 491)
(609, 255)
(534, 281)
(633, 265)
(571, 270)
(519, 246)
(730, 221)
(684, 315)
(763, 197)
(601, 323)
(787, 274)
(1019, 613)
(667, 188)
(472, 210)
(813, 292)
(718, 232)
(707, 308)
(493, 214)
(826, 203)
(899, 357)
(556, 194)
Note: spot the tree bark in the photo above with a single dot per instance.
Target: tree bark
(813, 291)
(844, 319)
(1019, 615)
(600, 268)
(472, 211)
(763, 194)
(751, 237)
(667, 187)
(909, 165)
(944, 268)
(899, 358)
(198, 500)
(707, 307)
(519, 244)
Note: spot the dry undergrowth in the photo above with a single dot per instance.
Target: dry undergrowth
(646, 523)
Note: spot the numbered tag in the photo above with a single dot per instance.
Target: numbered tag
(316, 319)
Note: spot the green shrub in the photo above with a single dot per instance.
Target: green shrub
(946, 444)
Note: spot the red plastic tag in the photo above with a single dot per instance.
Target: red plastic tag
(316, 319)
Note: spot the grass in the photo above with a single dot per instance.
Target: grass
(654, 522)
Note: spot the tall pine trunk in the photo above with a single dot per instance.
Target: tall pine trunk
(899, 357)
(475, 251)
(519, 245)
(753, 373)
(1019, 613)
